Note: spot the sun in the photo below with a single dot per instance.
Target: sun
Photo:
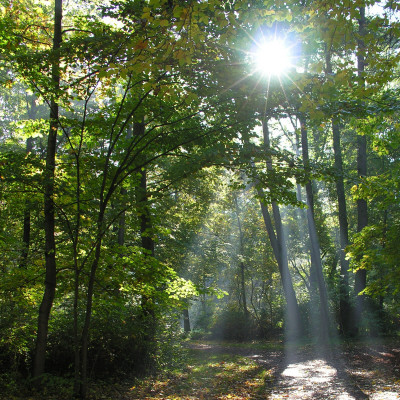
(272, 57)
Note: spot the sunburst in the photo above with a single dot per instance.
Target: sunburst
(272, 57)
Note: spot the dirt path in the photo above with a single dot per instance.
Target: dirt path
(355, 373)
(245, 372)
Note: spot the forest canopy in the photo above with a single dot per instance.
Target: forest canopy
(225, 169)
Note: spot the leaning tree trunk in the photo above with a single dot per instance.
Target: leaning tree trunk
(49, 213)
(362, 210)
(314, 241)
(293, 319)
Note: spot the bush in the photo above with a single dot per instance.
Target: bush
(233, 324)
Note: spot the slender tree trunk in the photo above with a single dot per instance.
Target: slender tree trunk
(148, 314)
(315, 248)
(186, 320)
(345, 308)
(145, 220)
(49, 214)
(243, 289)
(81, 385)
(344, 300)
(362, 210)
(89, 307)
(77, 352)
(121, 222)
(294, 324)
(146, 227)
(26, 235)
(278, 245)
(77, 274)
(241, 264)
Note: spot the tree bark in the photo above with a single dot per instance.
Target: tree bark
(241, 264)
(49, 213)
(344, 300)
(362, 210)
(148, 313)
(121, 221)
(26, 235)
(315, 248)
(293, 320)
(89, 306)
(186, 320)
(145, 220)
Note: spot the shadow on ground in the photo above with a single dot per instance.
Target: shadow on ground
(218, 371)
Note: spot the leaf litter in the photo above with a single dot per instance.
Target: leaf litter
(222, 371)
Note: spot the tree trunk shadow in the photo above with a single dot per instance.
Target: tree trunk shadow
(314, 373)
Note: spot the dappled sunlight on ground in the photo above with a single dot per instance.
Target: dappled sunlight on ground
(311, 379)
(385, 396)
(217, 371)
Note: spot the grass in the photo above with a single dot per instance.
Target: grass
(208, 376)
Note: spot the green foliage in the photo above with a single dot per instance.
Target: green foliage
(166, 90)
(232, 324)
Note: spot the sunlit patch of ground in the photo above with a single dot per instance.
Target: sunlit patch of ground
(358, 373)
(312, 379)
(241, 372)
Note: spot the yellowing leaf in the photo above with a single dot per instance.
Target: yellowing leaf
(141, 45)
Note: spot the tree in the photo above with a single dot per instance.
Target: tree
(154, 114)
(277, 241)
(362, 210)
(49, 208)
(316, 265)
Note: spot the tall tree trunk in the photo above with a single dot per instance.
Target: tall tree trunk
(89, 306)
(293, 319)
(314, 241)
(77, 350)
(344, 300)
(26, 234)
(243, 289)
(145, 220)
(241, 264)
(77, 272)
(186, 320)
(146, 227)
(49, 214)
(362, 210)
(121, 221)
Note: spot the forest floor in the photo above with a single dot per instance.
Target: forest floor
(219, 371)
